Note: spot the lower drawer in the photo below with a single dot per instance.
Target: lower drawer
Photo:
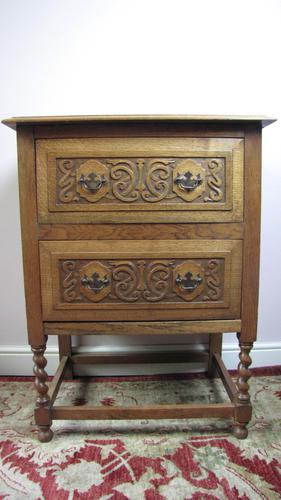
(140, 280)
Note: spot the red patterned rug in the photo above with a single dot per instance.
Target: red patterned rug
(135, 460)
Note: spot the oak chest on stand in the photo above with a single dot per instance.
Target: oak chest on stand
(140, 224)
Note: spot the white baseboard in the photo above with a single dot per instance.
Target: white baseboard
(17, 360)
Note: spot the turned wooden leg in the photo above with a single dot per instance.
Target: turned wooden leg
(42, 413)
(215, 346)
(243, 397)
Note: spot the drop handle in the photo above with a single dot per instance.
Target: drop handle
(187, 181)
(95, 283)
(188, 282)
(92, 182)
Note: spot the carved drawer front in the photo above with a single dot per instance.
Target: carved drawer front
(97, 280)
(133, 179)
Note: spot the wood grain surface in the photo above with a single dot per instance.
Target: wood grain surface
(30, 250)
(232, 231)
(251, 244)
(142, 327)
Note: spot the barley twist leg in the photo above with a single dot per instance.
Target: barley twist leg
(42, 401)
(243, 397)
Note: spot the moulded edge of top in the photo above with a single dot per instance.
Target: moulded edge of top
(64, 120)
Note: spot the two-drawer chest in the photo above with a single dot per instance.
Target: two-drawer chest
(140, 225)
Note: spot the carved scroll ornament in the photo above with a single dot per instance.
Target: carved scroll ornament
(131, 281)
(148, 180)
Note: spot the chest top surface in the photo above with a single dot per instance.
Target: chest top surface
(76, 119)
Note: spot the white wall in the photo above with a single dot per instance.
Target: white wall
(142, 56)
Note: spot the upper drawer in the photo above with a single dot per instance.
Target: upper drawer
(140, 180)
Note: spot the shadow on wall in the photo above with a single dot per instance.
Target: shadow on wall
(13, 319)
(13, 323)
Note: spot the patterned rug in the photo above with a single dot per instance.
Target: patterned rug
(135, 460)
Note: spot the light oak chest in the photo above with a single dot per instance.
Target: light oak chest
(140, 224)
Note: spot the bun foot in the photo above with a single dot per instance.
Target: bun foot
(45, 434)
(240, 431)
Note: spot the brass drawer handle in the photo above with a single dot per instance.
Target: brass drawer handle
(188, 283)
(95, 283)
(187, 181)
(92, 182)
